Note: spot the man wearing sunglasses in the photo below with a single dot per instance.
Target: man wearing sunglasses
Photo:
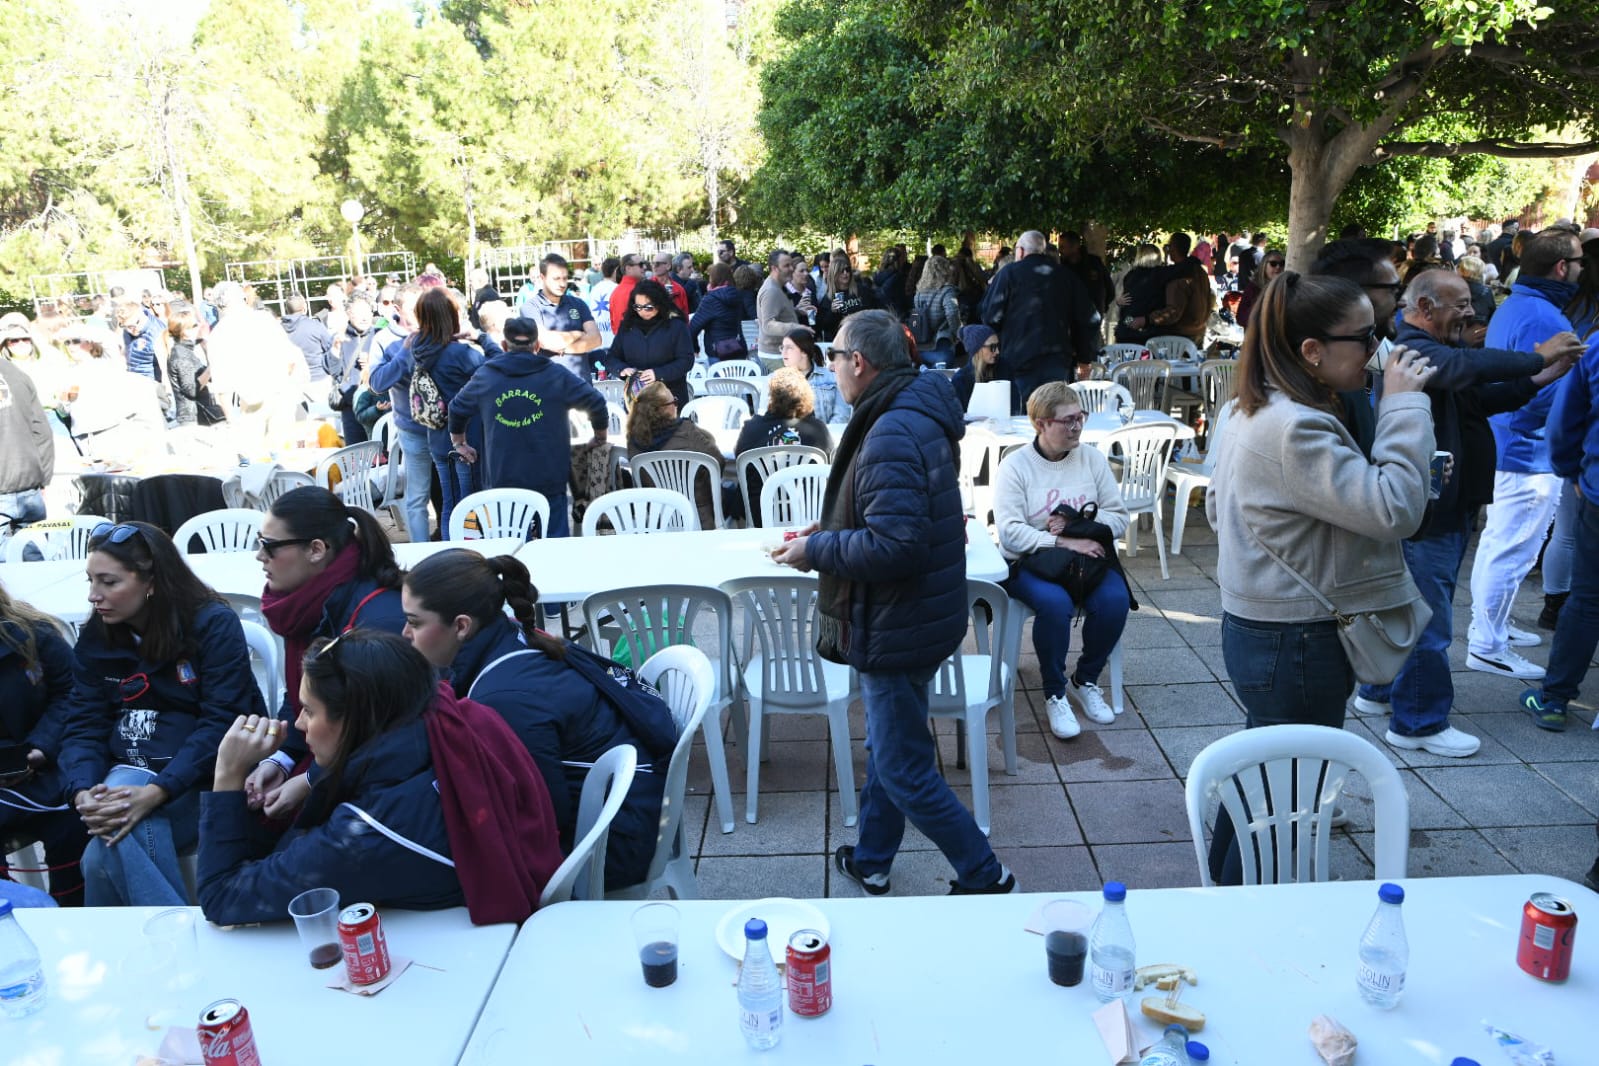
(1468, 386)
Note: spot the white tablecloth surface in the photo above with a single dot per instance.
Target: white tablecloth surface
(919, 980)
(97, 1007)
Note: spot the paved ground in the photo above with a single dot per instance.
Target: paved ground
(1109, 804)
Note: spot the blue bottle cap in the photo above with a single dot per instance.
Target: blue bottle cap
(1463, 1062)
(1115, 891)
(1391, 893)
(1198, 1052)
(755, 929)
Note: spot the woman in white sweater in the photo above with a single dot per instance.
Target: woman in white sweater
(1289, 475)
(1033, 481)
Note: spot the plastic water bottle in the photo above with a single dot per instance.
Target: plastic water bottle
(21, 975)
(1384, 951)
(1111, 951)
(760, 993)
(1198, 1052)
(1171, 1051)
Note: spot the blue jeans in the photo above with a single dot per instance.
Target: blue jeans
(1054, 368)
(354, 431)
(1106, 617)
(1424, 692)
(1577, 633)
(1557, 557)
(902, 780)
(18, 509)
(560, 516)
(456, 478)
(142, 870)
(418, 482)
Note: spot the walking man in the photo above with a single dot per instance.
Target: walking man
(891, 555)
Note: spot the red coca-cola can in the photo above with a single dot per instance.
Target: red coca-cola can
(225, 1035)
(790, 534)
(366, 952)
(810, 974)
(1548, 932)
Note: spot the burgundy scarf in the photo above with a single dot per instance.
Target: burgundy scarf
(295, 615)
(497, 810)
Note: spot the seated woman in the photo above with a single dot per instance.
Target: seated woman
(35, 684)
(802, 353)
(789, 418)
(454, 609)
(162, 669)
(1033, 481)
(401, 763)
(982, 352)
(654, 425)
(328, 569)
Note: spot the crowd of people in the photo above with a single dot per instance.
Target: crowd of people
(1388, 404)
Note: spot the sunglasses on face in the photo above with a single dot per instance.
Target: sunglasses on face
(991, 346)
(643, 307)
(1275, 263)
(270, 546)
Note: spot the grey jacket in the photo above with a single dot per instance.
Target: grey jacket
(1295, 476)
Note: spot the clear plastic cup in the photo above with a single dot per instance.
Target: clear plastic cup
(655, 928)
(316, 918)
(1066, 927)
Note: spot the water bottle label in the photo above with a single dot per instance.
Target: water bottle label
(1112, 982)
(761, 1021)
(1381, 980)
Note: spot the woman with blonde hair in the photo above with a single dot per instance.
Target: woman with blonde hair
(654, 424)
(937, 302)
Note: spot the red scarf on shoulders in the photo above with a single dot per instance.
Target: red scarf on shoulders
(294, 615)
(497, 810)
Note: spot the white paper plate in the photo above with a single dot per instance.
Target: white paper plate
(783, 918)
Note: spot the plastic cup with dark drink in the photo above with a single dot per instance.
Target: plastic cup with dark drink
(316, 918)
(655, 933)
(1066, 926)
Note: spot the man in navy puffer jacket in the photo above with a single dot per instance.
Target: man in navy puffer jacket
(892, 557)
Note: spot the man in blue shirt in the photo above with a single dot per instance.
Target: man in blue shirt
(566, 325)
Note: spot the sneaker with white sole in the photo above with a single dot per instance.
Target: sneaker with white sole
(1451, 743)
(1505, 663)
(1090, 698)
(1522, 638)
(1372, 707)
(844, 860)
(1062, 722)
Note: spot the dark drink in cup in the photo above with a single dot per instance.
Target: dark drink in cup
(1066, 952)
(326, 955)
(660, 963)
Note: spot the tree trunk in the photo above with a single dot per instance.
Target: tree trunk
(713, 193)
(1310, 203)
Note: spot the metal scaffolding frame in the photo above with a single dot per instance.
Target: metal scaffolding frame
(275, 280)
(512, 267)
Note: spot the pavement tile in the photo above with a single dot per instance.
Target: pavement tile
(793, 766)
(1446, 853)
(1035, 764)
(1146, 628)
(760, 876)
(1068, 869)
(1576, 779)
(1427, 809)
(1518, 733)
(1161, 666)
(1503, 796)
(791, 823)
(1135, 812)
(1031, 816)
(1168, 865)
(1558, 850)
(1183, 744)
(1201, 703)
(1211, 657)
(1111, 755)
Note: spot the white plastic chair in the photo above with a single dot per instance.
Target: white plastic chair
(1101, 395)
(1173, 348)
(26, 863)
(285, 481)
(1217, 382)
(751, 330)
(793, 497)
(355, 464)
(266, 662)
(1145, 451)
(717, 412)
(687, 682)
(232, 529)
(752, 395)
(968, 686)
(697, 374)
(641, 511)
(1279, 785)
(1145, 379)
(1016, 624)
(605, 787)
(614, 390)
(654, 618)
(70, 542)
(1121, 353)
(976, 472)
(680, 471)
(758, 464)
(1187, 478)
(787, 676)
(737, 368)
(617, 424)
(510, 513)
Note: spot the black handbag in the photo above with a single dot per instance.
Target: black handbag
(1077, 573)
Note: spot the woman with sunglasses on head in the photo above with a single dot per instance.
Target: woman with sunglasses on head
(981, 345)
(1033, 482)
(421, 800)
(455, 605)
(1290, 478)
(653, 343)
(162, 669)
(36, 678)
(328, 568)
(801, 352)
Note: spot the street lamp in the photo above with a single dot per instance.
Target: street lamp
(353, 212)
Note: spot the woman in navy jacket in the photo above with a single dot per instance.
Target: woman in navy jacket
(720, 318)
(162, 670)
(328, 568)
(454, 604)
(653, 343)
(390, 744)
(36, 666)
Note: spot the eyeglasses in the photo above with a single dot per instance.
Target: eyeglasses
(1069, 421)
(1275, 263)
(107, 533)
(643, 307)
(991, 346)
(270, 546)
(1367, 337)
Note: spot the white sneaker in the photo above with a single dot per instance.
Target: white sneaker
(1451, 743)
(1506, 664)
(1062, 722)
(1372, 707)
(1522, 638)
(1091, 699)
